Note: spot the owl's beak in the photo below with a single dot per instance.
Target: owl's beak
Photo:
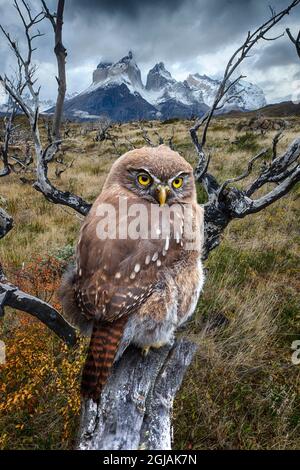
(162, 194)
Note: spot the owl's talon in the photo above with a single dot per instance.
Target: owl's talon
(158, 345)
(145, 351)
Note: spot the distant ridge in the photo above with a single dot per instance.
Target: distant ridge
(285, 108)
(118, 92)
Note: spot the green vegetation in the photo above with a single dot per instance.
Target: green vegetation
(242, 391)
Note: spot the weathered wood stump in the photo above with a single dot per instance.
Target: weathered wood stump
(135, 409)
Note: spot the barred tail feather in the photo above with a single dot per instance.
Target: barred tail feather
(102, 350)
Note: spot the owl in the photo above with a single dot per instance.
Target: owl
(138, 272)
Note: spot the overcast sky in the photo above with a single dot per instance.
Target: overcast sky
(187, 35)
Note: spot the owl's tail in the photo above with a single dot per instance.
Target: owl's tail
(102, 350)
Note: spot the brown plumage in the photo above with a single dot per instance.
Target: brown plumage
(135, 290)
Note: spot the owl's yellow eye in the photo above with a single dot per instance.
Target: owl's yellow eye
(144, 179)
(177, 183)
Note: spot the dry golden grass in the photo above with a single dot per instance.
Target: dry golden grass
(242, 391)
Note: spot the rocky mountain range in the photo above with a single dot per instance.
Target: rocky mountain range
(117, 91)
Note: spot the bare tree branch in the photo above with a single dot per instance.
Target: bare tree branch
(6, 223)
(43, 156)
(295, 40)
(8, 129)
(276, 139)
(279, 191)
(61, 53)
(278, 168)
(224, 205)
(159, 137)
(160, 140)
(103, 125)
(129, 141)
(146, 137)
(12, 107)
(12, 296)
(51, 193)
(235, 60)
(14, 94)
(246, 172)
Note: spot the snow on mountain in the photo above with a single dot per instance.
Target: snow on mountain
(161, 87)
(249, 96)
(200, 89)
(117, 91)
(5, 106)
(203, 87)
(45, 104)
(69, 96)
(158, 78)
(124, 71)
(245, 95)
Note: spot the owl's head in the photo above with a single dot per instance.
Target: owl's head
(157, 174)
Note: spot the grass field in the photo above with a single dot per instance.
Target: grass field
(242, 391)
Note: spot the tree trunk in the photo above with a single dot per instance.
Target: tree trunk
(135, 408)
(61, 55)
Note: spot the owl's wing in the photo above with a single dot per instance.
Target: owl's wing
(114, 277)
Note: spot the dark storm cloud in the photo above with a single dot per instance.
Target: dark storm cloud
(279, 53)
(182, 33)
(171, 30)
(131, 8)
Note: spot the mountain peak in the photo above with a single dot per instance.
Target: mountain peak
(158, 77)
(126, 59)
(104, 65)
(117, 91)
(124, 70)
(160, 66)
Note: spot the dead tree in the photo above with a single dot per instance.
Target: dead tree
(135, 407)
(43, 155)
(6, 223)
(9, 126)
(295, 40)
(23, 165)
(47, 127)
(102, 125)
(62, 166)
(8, 123)
(160, 140)
(56, 20)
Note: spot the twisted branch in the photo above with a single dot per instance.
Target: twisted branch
(43, 156)
(295, 40)
(235, 60)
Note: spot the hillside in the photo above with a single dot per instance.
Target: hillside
(285, 108)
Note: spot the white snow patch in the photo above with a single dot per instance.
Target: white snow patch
(85, 115)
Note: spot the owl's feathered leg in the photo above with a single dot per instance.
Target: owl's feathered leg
(71, 310)
(102, 350)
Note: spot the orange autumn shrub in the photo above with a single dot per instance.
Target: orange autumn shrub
(40, 277)
(39, 383)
